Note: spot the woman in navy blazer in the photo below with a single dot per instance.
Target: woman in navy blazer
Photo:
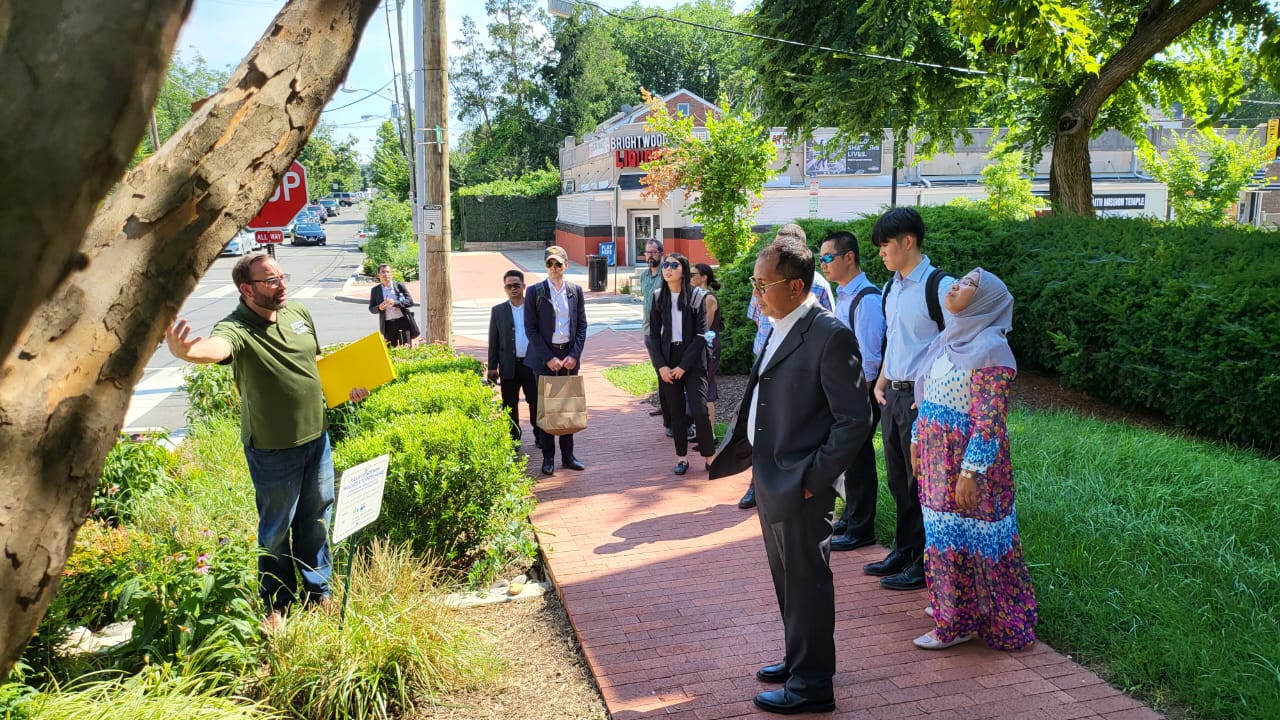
(555, 321)
(677, 346)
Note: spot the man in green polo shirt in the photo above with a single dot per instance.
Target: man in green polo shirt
(272, 348)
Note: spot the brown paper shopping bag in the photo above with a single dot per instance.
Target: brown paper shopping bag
(562, 404)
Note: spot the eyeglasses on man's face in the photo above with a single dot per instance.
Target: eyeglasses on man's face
(554, 263)
(275, 281)
(652, 252)
(759, 286)
(829, 258)
(513, 286)
(670, 265)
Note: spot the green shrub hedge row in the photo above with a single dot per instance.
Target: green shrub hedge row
(1182, 321)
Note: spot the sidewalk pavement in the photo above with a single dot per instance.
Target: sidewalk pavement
(666, 585)
(477, 278)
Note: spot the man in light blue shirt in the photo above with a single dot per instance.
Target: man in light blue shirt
(912, 321)
(858, 308)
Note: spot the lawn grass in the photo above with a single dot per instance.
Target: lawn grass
(639, 379)
(1156, 557)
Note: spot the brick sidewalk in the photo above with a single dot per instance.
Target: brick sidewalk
(666, 585)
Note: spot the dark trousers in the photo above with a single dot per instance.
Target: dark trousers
(799, 552)
(548, 442)
(862, 482)
(396, 332)
(662, 404)
(523, 380)
(693, 388)
(895, 431)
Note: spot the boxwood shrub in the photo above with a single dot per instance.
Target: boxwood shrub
(454, 490)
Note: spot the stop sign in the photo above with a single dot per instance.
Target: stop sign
(286, 202)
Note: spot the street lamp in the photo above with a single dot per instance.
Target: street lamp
(560, 8)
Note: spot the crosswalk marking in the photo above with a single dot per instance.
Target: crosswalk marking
(306, 293)
(220, 291)
(156, 385)
(473, 322)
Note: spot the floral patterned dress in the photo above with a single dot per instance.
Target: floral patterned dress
(978, 581)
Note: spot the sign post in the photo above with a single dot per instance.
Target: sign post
(359, 503)
(283, 206)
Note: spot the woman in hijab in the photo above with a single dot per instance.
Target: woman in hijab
(978, 581)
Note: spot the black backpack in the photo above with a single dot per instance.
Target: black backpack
(930, 296)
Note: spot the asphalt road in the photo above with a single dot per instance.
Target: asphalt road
(318, 274)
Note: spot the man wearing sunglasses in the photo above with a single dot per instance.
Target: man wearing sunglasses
(804, 414)
(272, 348)
(555, 322)
(858, 308)
(508, 347)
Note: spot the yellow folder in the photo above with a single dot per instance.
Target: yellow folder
(364, 363)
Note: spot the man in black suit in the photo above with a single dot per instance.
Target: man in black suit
(803, 417)
(508, 346)
(556, 323)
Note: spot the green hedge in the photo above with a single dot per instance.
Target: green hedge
(1180, 321)
(496, 218)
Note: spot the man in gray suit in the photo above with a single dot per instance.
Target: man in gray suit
(804, 414)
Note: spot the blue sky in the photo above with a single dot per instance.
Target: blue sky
(223, 31)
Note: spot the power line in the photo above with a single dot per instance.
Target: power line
(372, 93)
(797, 43)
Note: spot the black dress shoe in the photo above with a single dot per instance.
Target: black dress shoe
(891, 565)
(785, 702)
(775, 673)
(748, 501)
(911, 578)
(839, 528)
(682, 467)
(548, 467)
(655, 413)
(574, 463)
(844, 542)
(670, 434)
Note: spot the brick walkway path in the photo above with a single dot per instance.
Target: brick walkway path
(665, 583)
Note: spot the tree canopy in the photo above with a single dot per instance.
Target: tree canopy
(1055, 73)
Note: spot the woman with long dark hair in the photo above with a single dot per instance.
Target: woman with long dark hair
(677, 347)
(702, 276)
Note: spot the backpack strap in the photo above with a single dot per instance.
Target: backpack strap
(853, 308)
(931, 296)
(931, 285)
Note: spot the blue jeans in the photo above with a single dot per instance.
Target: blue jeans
(293, 490)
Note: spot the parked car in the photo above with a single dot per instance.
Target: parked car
(330, 206)
(345, 198)
(367, 232)
(241, 243)
(308, 233)
(319, 211)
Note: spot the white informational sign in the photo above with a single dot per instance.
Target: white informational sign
(433, 218)
(359, 497)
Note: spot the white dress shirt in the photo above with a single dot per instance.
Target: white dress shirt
(522, 340)
(781, 328)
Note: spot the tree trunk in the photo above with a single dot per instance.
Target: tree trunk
(1070, 177)
(89, 325)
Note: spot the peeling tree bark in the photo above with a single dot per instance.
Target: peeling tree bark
(1070, 178)
(75, 340)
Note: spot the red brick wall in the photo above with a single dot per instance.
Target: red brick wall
(579, 247)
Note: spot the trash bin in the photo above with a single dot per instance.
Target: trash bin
(597, 272)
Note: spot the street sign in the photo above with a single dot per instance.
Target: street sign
(286, 202)
(266, 237)
(359, 497)
(433, 218)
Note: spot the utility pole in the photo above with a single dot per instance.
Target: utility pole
(433, 129)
